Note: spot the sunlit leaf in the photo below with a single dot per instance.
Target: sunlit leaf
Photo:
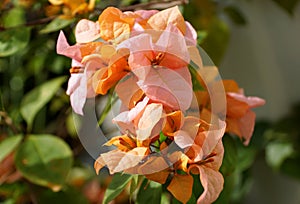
(56, 24)
(277, 152)
(150, 192)
(116, 186)
(38, 97)
(44, 160)
(8, 145)
(13, 40)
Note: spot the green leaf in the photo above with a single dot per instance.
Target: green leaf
(68, 195)
(134, 184)
(230, 159)
(15, 17)
(13, 190)
(291, 167)
(246, 157)
(9, 201)
(288, 5)
(150, 192)
(201, 35)
(117, 185)
(164, 199)
(56, 24)
(235, 15)
(229, 185)
(13, 40)
(162, 137)
(44, 160)
(194, 74)
(8, 145)
(38, 97)
(1, 102)
(277, 152)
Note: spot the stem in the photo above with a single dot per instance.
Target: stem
(8, 121)
(112, 99)
(155, 5)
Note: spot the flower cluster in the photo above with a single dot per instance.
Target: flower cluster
(69, 8)
(170, 130)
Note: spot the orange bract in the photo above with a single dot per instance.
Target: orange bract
(107, 77)
(89, 48)
(181, 187)
(113, 23)
(73, 7)
(123, 143)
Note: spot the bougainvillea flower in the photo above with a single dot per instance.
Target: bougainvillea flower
(203, 157)
(166, 86)
(125, 120)
(115, 69)
(113, 24)
(101, 64)
(128, 91)
(210, 177)
(240, 119)
(162, 19)
(163, 52)
(63, 48)
(166, 134)
(71, 8)
(87, 31)
(143, 122)
(118, 161)
(144, 16)
(77, 89)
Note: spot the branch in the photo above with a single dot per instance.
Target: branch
(150, 5)
(40, 21)
(155, 5)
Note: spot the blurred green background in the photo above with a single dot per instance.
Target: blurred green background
(253, 42)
